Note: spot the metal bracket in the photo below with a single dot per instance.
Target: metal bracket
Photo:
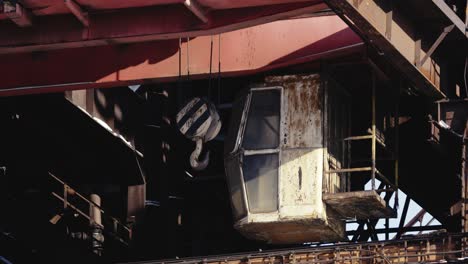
(436, 44)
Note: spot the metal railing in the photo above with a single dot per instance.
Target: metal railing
(111, 226)
(376, 138)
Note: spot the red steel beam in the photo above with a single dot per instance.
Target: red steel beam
(246, 51)
(141, 25)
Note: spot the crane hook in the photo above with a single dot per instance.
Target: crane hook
(195, 163)
(199, 121)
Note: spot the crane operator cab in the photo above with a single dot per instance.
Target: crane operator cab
(274, 162)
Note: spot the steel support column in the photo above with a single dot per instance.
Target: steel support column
(374, 131)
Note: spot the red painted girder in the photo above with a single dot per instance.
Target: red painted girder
(246, 51)
(57, 7)
(140, 25)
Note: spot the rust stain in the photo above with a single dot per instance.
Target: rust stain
(303, 102)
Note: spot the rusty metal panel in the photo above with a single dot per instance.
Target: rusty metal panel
(301, 144)
(293, 231)
(302, 215)
(302, 110)
(359, 205)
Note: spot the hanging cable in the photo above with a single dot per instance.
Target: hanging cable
(179, 78)
(180, 59)
(219, 69)
(211, 65)
(188, 59)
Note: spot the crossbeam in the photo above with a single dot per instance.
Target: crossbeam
(78, 12)
(436, 44)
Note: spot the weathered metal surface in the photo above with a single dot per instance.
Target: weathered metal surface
(404, 37)
(247, 51)
(333, 182)
(358, 205)
(314, 199)
(302, 110)
(291, 231)
(300, 183)
(301, 144)
(302, 215)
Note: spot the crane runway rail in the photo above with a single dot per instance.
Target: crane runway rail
(429, 248)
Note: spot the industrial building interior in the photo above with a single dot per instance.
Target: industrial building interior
(269, 128)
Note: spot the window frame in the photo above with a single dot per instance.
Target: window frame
(237, 159)
(246, 152)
